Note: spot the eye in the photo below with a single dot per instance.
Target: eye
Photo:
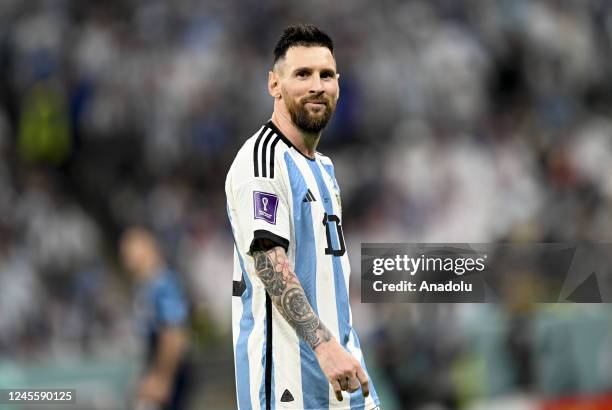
(301, 74)
(327, 74)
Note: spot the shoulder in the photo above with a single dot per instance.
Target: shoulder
(327, 163)
(325, 160)
(328, 166)
(268, 151)
(260, 154)
(168, 283)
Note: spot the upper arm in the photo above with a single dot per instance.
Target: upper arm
(171, 304)
(260, 207)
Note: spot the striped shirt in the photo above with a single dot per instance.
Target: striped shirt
(275, 192)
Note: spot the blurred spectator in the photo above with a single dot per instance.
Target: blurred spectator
(162, 312)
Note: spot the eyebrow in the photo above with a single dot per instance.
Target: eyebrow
(310, 70)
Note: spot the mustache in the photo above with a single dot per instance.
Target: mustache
(320, 99)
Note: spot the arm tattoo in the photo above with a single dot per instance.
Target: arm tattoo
(285, 290)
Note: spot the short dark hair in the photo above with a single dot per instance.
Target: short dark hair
(305, 35)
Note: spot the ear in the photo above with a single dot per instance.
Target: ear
(338, 79)
(274, 84)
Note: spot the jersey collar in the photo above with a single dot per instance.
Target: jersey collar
(286, 140)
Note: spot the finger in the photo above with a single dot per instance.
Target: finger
(337, 390)
(344, 383)
(353, 384)
(363, 379)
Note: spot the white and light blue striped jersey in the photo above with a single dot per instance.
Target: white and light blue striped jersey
(275, 192)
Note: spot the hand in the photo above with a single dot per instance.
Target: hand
(154, 388)
(341, 369)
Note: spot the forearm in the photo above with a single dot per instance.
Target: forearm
(171, 348)
(285, 290)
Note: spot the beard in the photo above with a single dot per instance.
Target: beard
(305, 120)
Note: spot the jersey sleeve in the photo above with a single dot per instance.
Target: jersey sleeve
(170, 303)
(261, 206)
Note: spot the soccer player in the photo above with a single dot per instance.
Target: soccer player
(294, 343)
(162, 310)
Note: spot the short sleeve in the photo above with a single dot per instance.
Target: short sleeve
(258, 192)
(264, 202)
(258, 202)
(171, 304)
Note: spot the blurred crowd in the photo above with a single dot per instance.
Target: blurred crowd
(474, 121)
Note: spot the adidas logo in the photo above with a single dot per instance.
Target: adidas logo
(286, 397)
(309, 197)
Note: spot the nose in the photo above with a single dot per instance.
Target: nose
(316, 86)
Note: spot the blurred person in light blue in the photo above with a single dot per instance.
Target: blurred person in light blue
(163, 313)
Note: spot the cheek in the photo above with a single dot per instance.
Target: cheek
(333, 91)
(293, 89)
(288, 95)
(293, 97)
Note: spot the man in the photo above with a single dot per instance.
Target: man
(284, 207)
(162, 311)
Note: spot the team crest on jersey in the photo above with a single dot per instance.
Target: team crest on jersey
(265, 205)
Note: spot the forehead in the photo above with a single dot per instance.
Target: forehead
(136, 239)
(312, 57)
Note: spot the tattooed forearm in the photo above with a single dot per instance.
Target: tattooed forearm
(307, 324)
(265, 267)
(274, 270)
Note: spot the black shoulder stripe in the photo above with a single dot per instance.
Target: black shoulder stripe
(273, 146)
(267, 139)
(264, 148)
(255, 157)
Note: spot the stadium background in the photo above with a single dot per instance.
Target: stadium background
(468, 121)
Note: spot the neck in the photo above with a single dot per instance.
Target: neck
(150, 268)
(305, 142)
